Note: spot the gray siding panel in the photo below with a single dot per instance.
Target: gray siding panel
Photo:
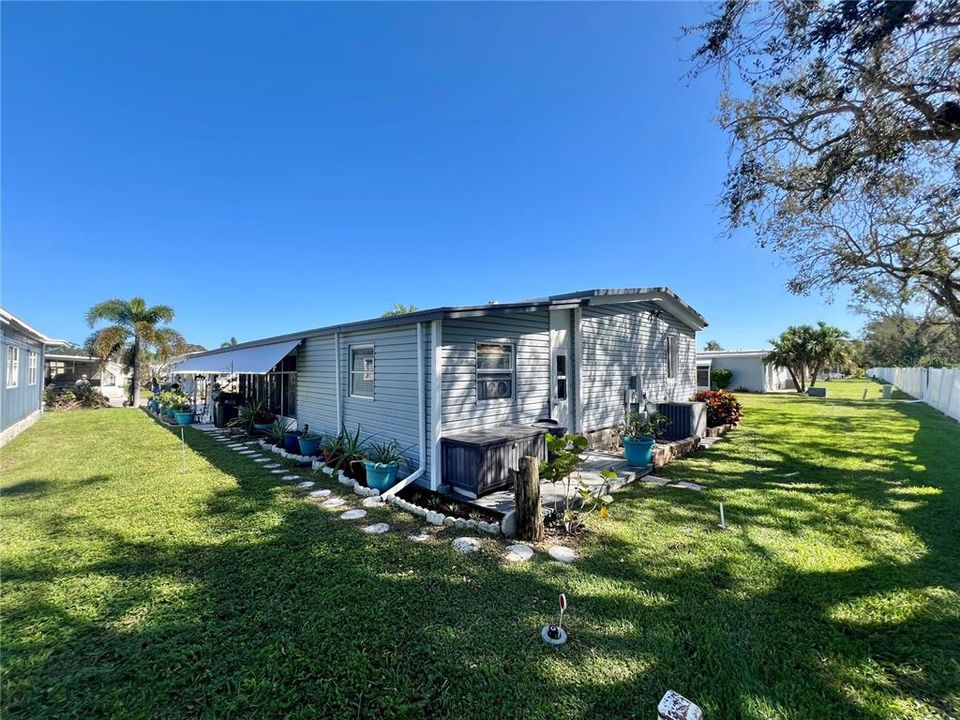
(747, 372)
(622, 340)
(530, 334)
(18, 402)
(393, 411)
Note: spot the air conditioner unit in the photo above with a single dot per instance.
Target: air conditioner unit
(687, 419)
(494, 389)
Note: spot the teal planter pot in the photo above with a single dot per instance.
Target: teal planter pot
(638, 451)
(309, 445)
(183, 418)
(167, 412)
(381, 476)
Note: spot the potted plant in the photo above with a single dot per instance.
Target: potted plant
(639, 434)
(253, 417)
(309, 443)
(182, 410)
(332, 447)
(291, 438)
(383, 464)
(278, 430)
(352, 456)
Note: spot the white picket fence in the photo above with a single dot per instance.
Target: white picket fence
(938, 387)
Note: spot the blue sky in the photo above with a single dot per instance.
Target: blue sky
(265, 168)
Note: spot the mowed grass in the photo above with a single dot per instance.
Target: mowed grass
(139, 582)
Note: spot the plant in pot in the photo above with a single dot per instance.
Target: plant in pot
(253, 416)
(331, 449)
(383, 464)
(352, 456)
(278, 430)
(291, 438)
(309, 443)
(182, 410)
(639, 434)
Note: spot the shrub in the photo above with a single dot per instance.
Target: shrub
(80, 396)
(723, 408)
(721, 378)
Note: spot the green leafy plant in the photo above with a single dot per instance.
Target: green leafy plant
(277, 429)
(641, 425)
(351, 448)
(721, 378)
(82, 396)
(254, 412)
(723, 408)
(388, 453)
(579, 500)
(175, 400)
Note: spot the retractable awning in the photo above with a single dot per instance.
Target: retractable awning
(258, 360)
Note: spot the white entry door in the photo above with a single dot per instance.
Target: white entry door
(561, 368)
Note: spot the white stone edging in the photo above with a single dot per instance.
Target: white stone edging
(435, 518)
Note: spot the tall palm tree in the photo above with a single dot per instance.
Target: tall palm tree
(805, 350)
(133, 333)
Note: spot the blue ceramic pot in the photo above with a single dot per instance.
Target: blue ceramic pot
(291, 441)
(638, 451)
(308, 445)
(381, 476)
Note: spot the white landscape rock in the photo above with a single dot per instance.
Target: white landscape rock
(319, 493)
(518, 553)
(303, 485)
(376, 529)
(333, 502)
(353, 514)
(466, 545)
(418, 537)
(371, 502)
(449, 521)
(562, 553)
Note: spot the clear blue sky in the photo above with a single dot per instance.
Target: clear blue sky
(265, 168)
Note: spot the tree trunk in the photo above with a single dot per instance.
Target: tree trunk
(135, 375)
(527, 495)
(793, 376)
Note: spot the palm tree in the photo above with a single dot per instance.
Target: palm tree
(132, 334)
(400, 309)
(229, 343)
(805, 350)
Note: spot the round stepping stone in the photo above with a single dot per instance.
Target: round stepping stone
(235, 447)
(376, 528)
(304, 485)
(332, 502)
(561, 553)
(418, 537)
(261, 460)
(272, 466)
(278, 472)
(319, 493)
(518, 553)
(246, 452)
(353, 514)
(372, 502)
(466, 545)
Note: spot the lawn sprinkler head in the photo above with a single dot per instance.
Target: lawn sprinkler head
(553, 635)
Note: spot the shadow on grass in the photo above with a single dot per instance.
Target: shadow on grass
(285, 611)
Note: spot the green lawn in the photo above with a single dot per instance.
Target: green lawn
(141, 583)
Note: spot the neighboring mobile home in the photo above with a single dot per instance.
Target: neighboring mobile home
(582, 360)
(65, 364)
(750, 371)
(22, 398)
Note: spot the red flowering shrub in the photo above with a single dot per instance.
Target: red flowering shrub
(723, 408)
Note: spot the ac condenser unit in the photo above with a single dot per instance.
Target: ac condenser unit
(687, 419)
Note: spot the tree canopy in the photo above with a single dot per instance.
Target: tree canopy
(844, 124)
(712, 346)
(400, 309)
(805, 351)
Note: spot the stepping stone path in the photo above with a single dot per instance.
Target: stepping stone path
(304, 485)
(247, 452)
(561, 553)
(688, 486)
(418, 538)
(292, 477)
(353, 514)
(333, 502)
(466, 545)
(654, 480)
(272, 466)
(518, 553)
(319, 493)
(372, 502)
(376, 528)
(261, 460)
(278, 472)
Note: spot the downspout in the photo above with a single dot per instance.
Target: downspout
(336, 365)
(422, 415)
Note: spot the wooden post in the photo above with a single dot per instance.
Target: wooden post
(527, 495)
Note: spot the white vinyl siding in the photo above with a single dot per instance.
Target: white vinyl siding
(13, 366)
(672, 356)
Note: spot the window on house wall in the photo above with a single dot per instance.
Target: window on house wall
(703, 377)
(495, 370)
(560, 373)
(13, 366)
(672, 357)
(109, 379)
(32, 359)
(361, 371)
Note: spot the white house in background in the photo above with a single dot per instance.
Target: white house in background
(750, 372)
(64, 364)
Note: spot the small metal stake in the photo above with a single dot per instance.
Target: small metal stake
(723, 524)
(183, 453)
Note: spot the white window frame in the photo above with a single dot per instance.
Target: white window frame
(13, 366)
(351, 349)
(557, 376)
(481, 373)
(32, 362)
(673, 356)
